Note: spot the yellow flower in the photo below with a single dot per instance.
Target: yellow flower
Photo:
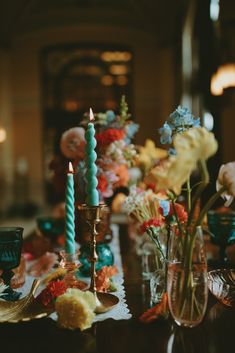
(171, 174)
(149, 153)
(190, 145)
(75, 309)
(197, 143)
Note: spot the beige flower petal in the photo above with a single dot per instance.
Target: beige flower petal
(190, 145)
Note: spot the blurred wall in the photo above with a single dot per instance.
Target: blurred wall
(6, 147)
(153, 87)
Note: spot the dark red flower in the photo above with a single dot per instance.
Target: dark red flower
(151, 222)
(108, 136)
(57, 288)
(181, 213)
(151, 186)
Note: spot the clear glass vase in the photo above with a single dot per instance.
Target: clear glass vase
(187, 276)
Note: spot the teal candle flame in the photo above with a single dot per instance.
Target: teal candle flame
(92, 198)
(69, 218)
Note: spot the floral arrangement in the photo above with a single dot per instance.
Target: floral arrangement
(192, 145)
(115, 152)
(73, 303)
(155, 214)
(148, 210)
(158, 212)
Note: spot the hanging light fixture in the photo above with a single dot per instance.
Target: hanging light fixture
(3, 134)
(222, 79)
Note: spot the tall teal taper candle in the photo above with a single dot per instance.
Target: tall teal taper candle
(69, 210)
(92, 198)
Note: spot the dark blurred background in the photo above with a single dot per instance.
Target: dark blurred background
(59, 57)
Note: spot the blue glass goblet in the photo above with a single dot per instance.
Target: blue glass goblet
(11, 240)
(221, 224)
(51, 227)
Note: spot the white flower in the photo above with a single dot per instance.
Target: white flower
(226, 177)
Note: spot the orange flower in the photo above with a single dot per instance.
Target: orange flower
(159, 310)
(123, 176)
(103, 277)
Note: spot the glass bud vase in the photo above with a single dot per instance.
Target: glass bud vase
(187, 277)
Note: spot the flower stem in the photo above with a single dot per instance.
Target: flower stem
(188, 195)
(152, 234)
(207, 206)
(200, 188)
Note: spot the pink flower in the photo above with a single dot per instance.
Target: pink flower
(72, 143)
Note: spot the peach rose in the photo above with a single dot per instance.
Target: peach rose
(72, 143)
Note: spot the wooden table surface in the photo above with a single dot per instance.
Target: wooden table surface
(216, 334)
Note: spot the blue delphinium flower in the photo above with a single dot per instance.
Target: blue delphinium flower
(166, 134)
(180, 120)
(165, 206)
(110, 116)
(171, 152)
(131, 130)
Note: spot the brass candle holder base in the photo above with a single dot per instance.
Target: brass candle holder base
(104, 301)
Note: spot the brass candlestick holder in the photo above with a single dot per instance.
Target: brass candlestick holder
(104, 301)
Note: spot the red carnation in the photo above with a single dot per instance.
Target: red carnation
(102, 183)
(151, 222)
(53, 290)
(56, 288)
(110, 135)
(181, 213)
